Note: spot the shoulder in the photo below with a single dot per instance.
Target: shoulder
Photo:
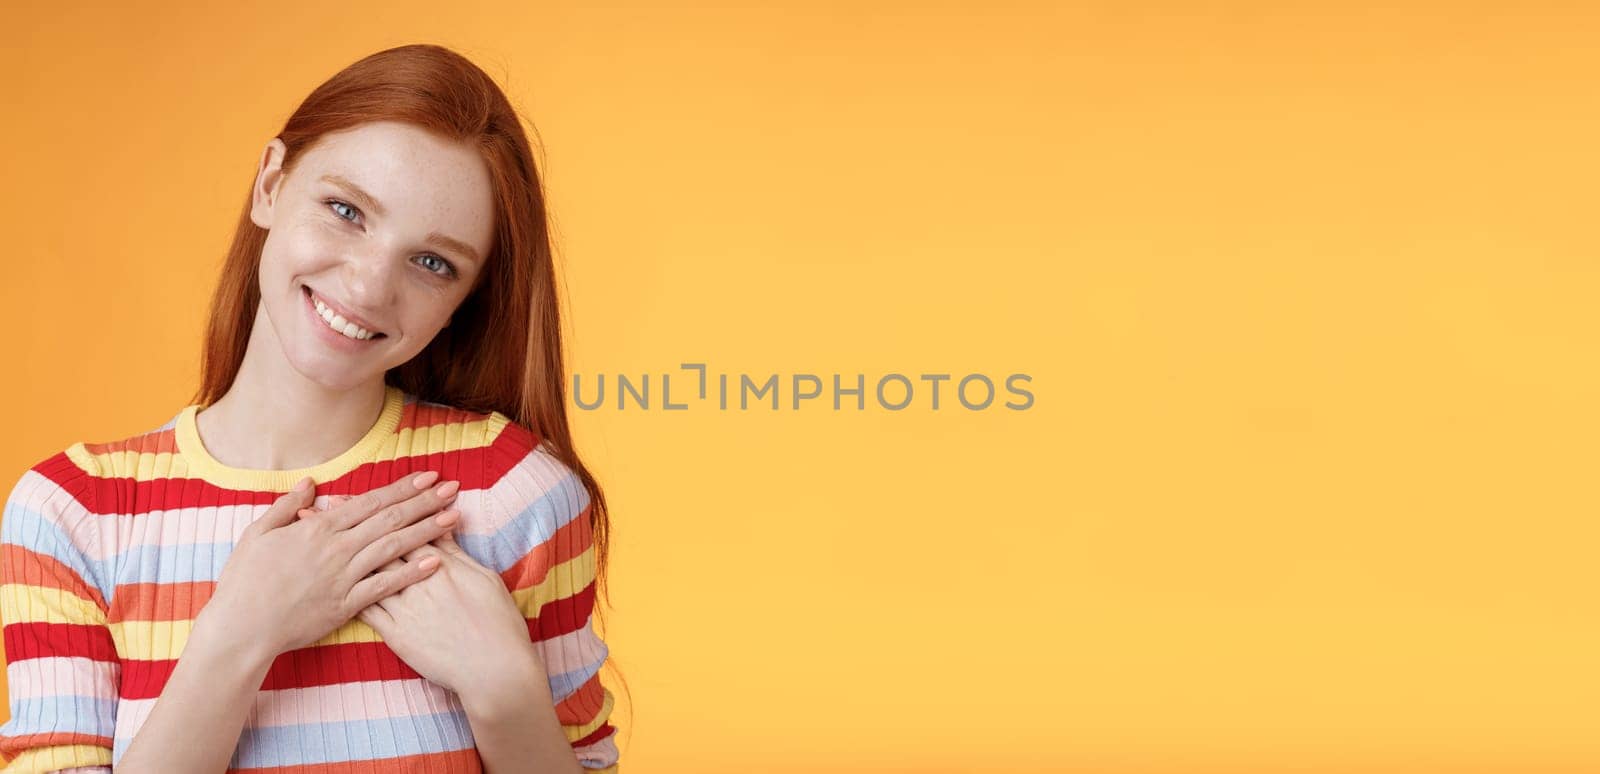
(502, 443)
(124, 456)
(60, 482)
(50, 511)
(533, 491)
(520, 466)
(516, 468)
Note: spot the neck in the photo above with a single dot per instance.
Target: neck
(274, 418)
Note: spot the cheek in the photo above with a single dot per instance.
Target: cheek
(295, 252)
(427, 307)
(313, 239)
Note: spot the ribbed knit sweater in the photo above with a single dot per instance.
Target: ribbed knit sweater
(108, 551)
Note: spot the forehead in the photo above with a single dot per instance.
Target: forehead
(421, 180)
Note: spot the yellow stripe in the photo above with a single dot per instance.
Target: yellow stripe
(80, 456)
(574, 733)
(61, 757)
(22, 603)
(159, 640)
(150, 640)
(494, 426)
(433, 439)
(401, 441)
(562, 581)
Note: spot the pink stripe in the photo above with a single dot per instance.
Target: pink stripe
(535, 476)
(52, 675)
(604, 750)
(210, 524)
(64, 511)
(572, 651)
(368, 700)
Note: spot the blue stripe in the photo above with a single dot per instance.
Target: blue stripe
(73, 714)
(151, 563)
(340, 742)
(533, 524)
(564, 684)
(26, 527)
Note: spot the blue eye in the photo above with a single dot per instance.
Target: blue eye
(449, 270)
(335, 203)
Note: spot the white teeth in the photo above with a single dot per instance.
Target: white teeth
(340, 324)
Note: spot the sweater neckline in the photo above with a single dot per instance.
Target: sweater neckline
(204, 466)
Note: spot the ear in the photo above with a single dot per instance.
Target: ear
(269, 181)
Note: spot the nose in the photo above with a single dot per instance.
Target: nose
(370, 281)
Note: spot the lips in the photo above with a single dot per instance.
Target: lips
(342, 312)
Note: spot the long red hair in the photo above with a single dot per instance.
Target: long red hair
(502, 350)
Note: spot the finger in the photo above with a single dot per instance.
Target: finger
(327, 503)
(429, 549)
(387, 582)
(358, 508)
(447, 543)
(392, 564)
(376, 617)
(399, 542)
(284, 509)
(419, 506)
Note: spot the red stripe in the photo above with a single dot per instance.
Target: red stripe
(570, 540)
(346, 662)
(44, 640)
(475, 467)
(65, 473)
(508, 448)
(453, 762)
(26, 566)
(583, 705)
(464, 465)
(11, 747)
(605, 730)
(562, 615)
(175, 601)
(299, 668)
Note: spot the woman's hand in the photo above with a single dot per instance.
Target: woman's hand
(289, 582)
(460, 627)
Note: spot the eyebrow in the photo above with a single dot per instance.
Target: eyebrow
(367, 200)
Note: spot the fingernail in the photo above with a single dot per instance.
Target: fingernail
(423, 480)
(448, 517)
(428, 563)
(303, 484)
(447, 488)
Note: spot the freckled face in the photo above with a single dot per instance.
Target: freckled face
(374, 238)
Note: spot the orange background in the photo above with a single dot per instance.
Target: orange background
(1307, 297)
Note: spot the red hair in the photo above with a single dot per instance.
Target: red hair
(502, 350)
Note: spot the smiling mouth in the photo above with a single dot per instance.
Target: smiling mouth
(318, 307)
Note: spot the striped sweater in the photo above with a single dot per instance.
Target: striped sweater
(109, 550)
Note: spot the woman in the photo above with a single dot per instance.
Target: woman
(367, 545)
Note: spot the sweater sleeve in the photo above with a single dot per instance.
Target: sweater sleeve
(544, 549)
(62, 669)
